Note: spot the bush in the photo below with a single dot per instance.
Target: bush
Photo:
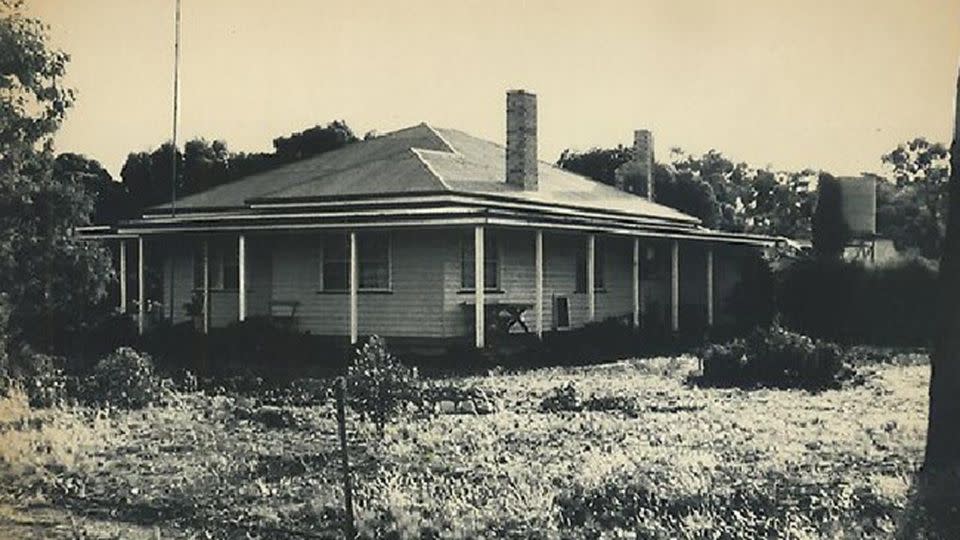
(40, 375)
(847, 302)
(562, 398)
(378, 385)
(126, 379)
(775, 357)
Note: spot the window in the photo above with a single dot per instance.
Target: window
(598, 264)
(373, 258)
(335, 267)
(491, 262)
(373, 261)
(224, 267)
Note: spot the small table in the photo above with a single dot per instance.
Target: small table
(502, 315)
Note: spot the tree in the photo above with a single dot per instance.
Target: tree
(110, 199)
(830, 229)
(903, 218)
(313, 141)
(202, 164)
(943, 438)
(51, 278)
(920, 171)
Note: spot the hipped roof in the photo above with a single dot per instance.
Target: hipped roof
(417, 160)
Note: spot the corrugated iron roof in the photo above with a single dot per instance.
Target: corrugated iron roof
(419, 159)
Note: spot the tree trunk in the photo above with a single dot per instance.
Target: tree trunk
(943, 429)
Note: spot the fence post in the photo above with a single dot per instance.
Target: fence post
(349, 530)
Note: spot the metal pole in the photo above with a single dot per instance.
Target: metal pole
(176, 112)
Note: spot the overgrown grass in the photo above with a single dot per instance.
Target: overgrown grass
(689, 462)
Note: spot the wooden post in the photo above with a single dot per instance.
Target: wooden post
(206, 286)
(635, 279)
(675, 286)
(123, 276)
(538, 271)
(710, 286)
(354, 286)
(349, 530)
(141, 292)
(242, 263)
(591, 278)
(478, 286)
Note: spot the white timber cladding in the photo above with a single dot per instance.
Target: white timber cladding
(426, 297)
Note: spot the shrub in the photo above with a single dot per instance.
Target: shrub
(562, 398)
(40, 375)
(850, 303)
(126, 379)
(775, 357)
(378, 385)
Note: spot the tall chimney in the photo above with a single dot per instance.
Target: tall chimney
(643, 154)
(522, 139)
(636, 175)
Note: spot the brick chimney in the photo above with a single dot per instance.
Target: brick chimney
(636, 175)
(522, 139)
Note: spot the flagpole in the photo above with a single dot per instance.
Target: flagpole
(176, 112)
(173, 159)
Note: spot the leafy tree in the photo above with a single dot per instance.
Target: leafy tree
(923, 165)
(110, 197)
(903, 218)
(688, 193)
(50, 277)
(830, 229)
(722, 193)
(313, 141)
(597, 163)
(204, 164)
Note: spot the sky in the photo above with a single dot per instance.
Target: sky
(825, 84)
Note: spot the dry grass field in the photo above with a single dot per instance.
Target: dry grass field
(684, 462)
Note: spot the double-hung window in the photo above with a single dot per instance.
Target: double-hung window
(598, 265)
(224, 267)
(373, 261)
(491, 262)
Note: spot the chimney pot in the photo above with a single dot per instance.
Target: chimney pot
(522, 139)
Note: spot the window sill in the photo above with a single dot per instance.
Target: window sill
(485, 291)
(359, 291)
(220, 290)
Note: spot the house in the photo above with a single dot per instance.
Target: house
(430, 233)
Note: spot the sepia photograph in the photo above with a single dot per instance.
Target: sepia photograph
(480, 269)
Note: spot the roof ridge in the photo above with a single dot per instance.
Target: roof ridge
(443, 139)
(429, 167)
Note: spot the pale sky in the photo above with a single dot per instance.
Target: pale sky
(829, 84)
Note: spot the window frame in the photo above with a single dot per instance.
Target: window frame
(322, 263)
(466, 249)
(599, 265)
(218, 253)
